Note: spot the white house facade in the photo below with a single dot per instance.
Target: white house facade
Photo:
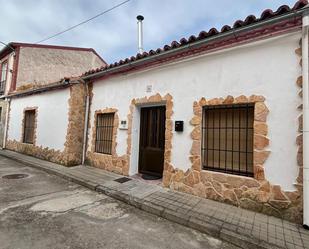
(218, 115)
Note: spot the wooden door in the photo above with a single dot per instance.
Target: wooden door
(152, 139)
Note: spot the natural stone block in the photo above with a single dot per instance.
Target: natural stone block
(299, 81)
(199, 190)
(250, 204)
(178, 176)
(298, 51)
(196, 165)
(168, 97)
(203, 102)
(259, 173)
(277, 194)
(259, 157)
(262, 196)
(300, 123)
(260, 142)
(215, 101)
(256, 98)
(280, 204)
(197, 109)
(229, 196)
(205, 176)
(241, 99)
(211, 193)
(300, 177)
(166, 178)
(217, 186)
(260, 128)
(196, 147)
(196, 133)
(265, 187)
(300, 156)
(169, 125)
(260, 112)
(229, 100)
(196, 120)
(219, 177)
(155, 98)
(191, 179)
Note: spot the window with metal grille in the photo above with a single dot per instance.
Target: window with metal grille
(227, 138)
(104, 133)
(3, 76)
(29, 126)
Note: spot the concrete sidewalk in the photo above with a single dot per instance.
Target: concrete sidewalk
(241, 227)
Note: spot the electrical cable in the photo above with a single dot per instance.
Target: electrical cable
(83, 22)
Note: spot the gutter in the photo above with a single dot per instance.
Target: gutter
(58, 85)
(85, 124)
(219, 36)
(305, 75)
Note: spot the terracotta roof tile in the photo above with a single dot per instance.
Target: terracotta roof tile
(266, 14)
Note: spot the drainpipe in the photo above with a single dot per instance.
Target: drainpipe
(86, 124)
(305, 74)
(6, 123)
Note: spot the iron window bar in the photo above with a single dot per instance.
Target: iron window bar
(29, 126)
(104, 133)
(2, 86)
(227, 138)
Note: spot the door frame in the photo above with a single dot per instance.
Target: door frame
(133, 132)
(139, 148)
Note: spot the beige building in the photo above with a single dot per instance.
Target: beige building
(29, 66)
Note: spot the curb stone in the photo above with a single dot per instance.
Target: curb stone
(183, 217)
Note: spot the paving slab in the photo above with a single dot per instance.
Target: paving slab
(240, 227)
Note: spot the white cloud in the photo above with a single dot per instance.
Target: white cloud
(114, 35)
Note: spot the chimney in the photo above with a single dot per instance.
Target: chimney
(140, 33)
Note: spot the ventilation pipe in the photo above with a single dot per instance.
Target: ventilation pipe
(140, 33)
(305, 75)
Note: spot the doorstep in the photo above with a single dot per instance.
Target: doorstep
(244, 228)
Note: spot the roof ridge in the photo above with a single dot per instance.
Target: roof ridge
(250, 19)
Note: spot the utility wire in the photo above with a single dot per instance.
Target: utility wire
(81, 23)
(7, 45)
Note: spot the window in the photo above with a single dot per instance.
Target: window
(4, 68)
(104, 133)
(227, 138)
(29, 126)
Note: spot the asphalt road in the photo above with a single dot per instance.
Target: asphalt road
(45, 211)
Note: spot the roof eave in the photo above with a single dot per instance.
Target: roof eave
(50, 87)
(226, 34)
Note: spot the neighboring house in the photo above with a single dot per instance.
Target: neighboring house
(28, 66)
(218, 115)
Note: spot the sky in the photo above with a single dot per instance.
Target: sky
(114, 35)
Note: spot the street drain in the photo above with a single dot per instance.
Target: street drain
(15, 176)
(122, 179)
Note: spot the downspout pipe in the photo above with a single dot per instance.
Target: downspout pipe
(305, 75)
(6, 124)
(87, 99)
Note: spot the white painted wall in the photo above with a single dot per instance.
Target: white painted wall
(52, 118)
(269, 68)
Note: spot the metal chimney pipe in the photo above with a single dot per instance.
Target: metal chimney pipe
(140, 33)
